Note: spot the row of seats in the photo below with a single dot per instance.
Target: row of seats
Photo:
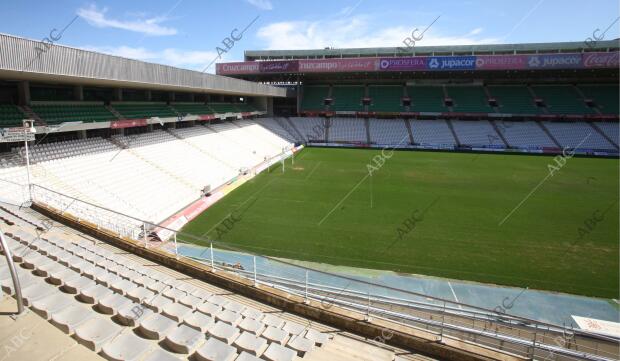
(149, 176)
(439, 132)
(515, 99)
(126, 311)
(11, 115)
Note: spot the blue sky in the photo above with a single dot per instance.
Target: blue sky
(186, 33)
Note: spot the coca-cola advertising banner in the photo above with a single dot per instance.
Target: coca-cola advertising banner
(425, 63)
(601, 60)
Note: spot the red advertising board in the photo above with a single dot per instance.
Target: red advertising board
(284, 66)
(500, 62)
(601, 60)
(128, 123)
(245, 67)
(338, 65)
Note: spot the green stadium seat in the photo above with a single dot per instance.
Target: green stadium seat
(562, 99)
(605, 97)
(314, 97)
(426, 99)
(385, 98)
(469, 99)
(347, 98)
(223, 107)
(514, 99)
(244, 107)
(192, 108)
(144, 110)
(10, 115)
(60, 113)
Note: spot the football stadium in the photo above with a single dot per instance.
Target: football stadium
(447, 201)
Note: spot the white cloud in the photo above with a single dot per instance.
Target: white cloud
(476, 31)
(355, 32)
(186, 59)
(261, 4)
(147, 26)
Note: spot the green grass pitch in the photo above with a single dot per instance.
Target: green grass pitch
(434, 213)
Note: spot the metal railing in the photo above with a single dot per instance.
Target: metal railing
(16, 285)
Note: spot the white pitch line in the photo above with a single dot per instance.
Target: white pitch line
(312, 172)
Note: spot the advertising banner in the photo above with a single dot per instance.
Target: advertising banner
(403, 64)
(128, 123)
(285, 66)
(337, 65)
(501, 62)
(451, 62)
(601, 60)
(246, 67)
(554, 61)
(425, 63)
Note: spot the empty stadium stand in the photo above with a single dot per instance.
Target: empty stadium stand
(426, 98)
(310, 128)
(347, 98)
(525, 134)
(314, 97)
(562, 99)
(385, 98)
(347, 130)
(388, 131)
(130, 110)
(469, 99)
(192, 108)
(435, 132)
(10, 115)
(578, 134)
(611, 130)
(605, 97)
(223, 107)
(123, 307)
(515, 99)
(60, 112)
(123, 173)
(476, 133)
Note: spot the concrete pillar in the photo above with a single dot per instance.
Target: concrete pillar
(171, 97)
(81, 134)
(23, 92)
(149, 95)
(118, 94)
(192, 97)
(78, 93)
(265, 104)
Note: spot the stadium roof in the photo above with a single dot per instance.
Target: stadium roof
(25, 59)
(483, 49)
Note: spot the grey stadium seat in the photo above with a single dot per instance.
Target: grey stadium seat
(94, 333)
(277, 352)
(249, 343)
(126, 347)
(215, 350)
(71, 317)
(156, 326)
(184, 339)
(224, 332)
